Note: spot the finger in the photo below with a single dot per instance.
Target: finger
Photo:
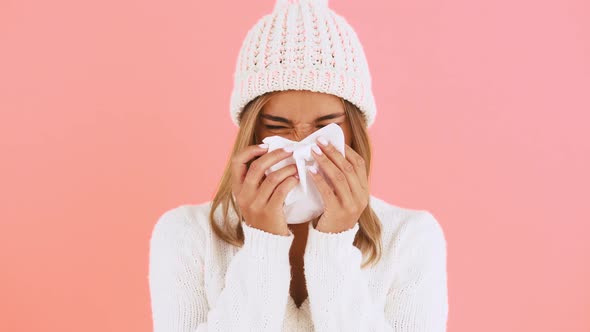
(345, 167)
(360, 166)
(280, 193)
(337, 177)
(239, 164)
(272, 181)
(255, 172)
(328, 195)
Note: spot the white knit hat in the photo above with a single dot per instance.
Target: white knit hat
(302, 45)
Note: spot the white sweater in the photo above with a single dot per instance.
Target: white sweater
(199, 283)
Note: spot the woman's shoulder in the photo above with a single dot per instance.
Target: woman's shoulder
(404, 222)
(184, 216)
(181, 224)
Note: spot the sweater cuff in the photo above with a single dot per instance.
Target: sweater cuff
(262, 244)
(322, 244)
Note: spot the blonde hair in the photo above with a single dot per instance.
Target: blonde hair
(367, 239)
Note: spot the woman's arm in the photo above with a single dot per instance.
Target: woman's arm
(256, 283)
(338, 290)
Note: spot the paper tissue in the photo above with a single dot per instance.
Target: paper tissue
(304, 202)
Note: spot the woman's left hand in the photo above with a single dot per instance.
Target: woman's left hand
(344, 204)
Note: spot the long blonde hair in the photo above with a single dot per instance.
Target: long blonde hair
(367, 239)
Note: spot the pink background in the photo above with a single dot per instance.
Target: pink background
(115, 111)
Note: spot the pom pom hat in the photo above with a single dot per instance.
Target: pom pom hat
(302, 45)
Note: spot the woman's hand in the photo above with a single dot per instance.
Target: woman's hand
(259, 197)
(346, 202)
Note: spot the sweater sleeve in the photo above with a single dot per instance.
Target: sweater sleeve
(338, 290)
(256, 282)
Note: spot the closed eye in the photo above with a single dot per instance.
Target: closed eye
(283, 127)
(274, 127)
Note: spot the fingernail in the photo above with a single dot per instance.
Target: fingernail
(312, 169)
(317, 149)
(297, 176)
(323, 140)
(263, 145)
(288, 148)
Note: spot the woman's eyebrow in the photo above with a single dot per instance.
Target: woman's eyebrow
(284, 120)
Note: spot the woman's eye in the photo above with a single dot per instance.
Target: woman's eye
(274, 127)
(283, 127)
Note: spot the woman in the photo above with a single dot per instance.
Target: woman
(234, 264)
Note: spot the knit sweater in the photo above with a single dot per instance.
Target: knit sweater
(199, 283)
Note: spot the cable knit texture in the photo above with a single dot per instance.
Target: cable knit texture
(199, 283)
(302, 45)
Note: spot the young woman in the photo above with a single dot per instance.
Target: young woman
(235, 264)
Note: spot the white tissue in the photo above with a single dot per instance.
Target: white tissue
(304, 202)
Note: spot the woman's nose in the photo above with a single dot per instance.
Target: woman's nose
(302, 132)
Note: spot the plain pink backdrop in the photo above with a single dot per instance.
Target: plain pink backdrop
(114, 111)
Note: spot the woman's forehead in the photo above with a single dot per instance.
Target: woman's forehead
(300, 102)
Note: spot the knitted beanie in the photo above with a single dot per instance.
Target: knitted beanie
(302, 45)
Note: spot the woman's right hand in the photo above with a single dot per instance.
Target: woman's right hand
(259, 197)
